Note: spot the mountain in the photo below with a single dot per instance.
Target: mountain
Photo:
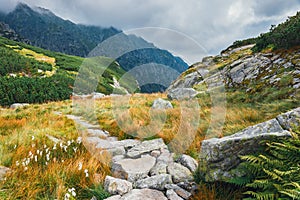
(46, 30)
(6, 31)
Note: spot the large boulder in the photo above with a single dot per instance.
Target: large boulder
(182, 93)
(290, 120)
(219, 158)
(160, 104)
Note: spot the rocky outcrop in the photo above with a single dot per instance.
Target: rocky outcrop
(220, 157)
(181, 93)
(241, 69)
(161, 104)
(7, 32)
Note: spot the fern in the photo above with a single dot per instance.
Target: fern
(276, 172)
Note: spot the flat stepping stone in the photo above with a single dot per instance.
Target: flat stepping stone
(146, 147)
(133, 169)
(144, 194)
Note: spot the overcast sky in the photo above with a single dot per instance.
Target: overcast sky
(211, 24)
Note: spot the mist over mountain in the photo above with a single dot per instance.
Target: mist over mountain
(46, 30)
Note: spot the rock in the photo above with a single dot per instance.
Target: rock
(3, 172)
(179, 191)
(115, 197)
(144, 194)
(115, 151)
(159, 168)
(157, 182)
(155, 153)
(163, 160)
(97, 95)
(188, 162)
(179, 173)
(220, 157)
(182, 93)
(133, 169)
(161, 104)
(145, 147)
(18, 105)
(117, 186)
(127, 143)
(97, 133)
(172, 195)
(290, 120)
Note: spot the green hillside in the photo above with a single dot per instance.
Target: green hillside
(32, 75)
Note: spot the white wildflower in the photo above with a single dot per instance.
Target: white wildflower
(80, 166)
(86, 173)
(79, 140)
(35, 158)
(75, 149)
(54, 147)
(32, 137)
(15, 146)
(26, 168)
(69, 142)
(67, 196)
(65, 148)
(17, 163)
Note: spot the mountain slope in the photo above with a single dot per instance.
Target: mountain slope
(44, 29)
(32, 75)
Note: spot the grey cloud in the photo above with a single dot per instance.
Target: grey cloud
(213, 24)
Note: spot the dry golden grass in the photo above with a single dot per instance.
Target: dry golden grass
(49, 174)
(25, 130)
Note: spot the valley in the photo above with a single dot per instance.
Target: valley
(80, 126)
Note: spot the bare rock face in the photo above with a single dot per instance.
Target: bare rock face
(182, 93)
(220, 157)
(117, 186)
(290, 120)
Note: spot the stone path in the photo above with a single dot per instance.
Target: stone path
(141, 170)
